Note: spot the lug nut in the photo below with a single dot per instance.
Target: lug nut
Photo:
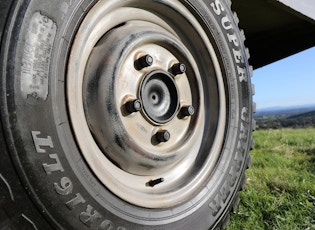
(187, 111)
(144, 62)
(178, 68)
(133, 106)
(163, 136)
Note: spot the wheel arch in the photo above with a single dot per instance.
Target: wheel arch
(285, 31)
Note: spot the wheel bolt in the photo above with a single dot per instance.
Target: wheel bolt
(144, 62)
(163, 136)
(133, 106)
(178, 68)
(187, 111)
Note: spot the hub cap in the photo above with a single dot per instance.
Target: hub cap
(160, 97)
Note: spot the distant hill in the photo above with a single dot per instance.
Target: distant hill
(286, 118)
(303, 115)
(284, 111)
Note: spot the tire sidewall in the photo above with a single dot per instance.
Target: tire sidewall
(43, 123)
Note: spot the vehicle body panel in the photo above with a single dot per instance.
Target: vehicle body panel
(276, 29)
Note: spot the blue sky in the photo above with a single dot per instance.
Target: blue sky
(287, 82)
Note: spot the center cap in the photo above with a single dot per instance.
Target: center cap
(159, 96)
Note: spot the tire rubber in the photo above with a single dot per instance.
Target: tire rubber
(45, 185)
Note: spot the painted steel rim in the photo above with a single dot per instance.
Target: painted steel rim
(145, 160)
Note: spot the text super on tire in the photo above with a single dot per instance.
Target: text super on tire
(124, 114)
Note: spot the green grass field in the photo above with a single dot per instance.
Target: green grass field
(280, 192)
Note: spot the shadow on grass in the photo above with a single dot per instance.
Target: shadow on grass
(311, 153)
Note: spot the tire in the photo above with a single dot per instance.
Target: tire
(122, 114)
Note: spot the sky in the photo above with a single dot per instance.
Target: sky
(305, 6)
(288, 82)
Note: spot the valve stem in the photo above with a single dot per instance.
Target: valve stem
(153, 183)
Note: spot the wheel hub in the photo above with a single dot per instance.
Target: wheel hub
(132, 91)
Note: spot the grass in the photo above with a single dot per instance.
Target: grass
(280, 192)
